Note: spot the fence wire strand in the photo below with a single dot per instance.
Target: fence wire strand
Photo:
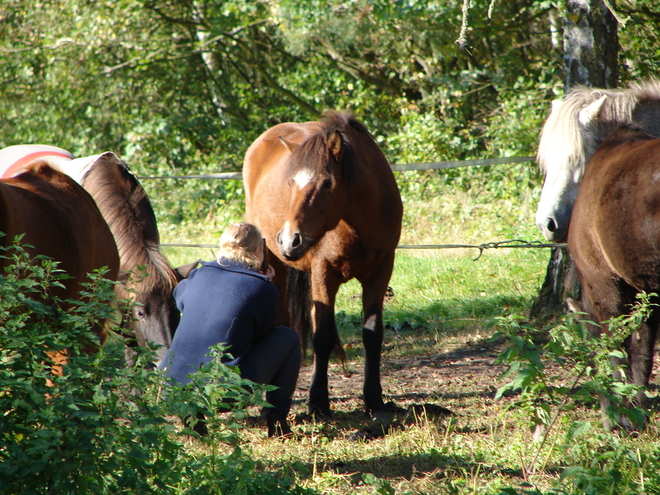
(511, 243)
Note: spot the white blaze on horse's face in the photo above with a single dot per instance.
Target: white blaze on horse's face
(563, 157)
(303, 177)
(290, 240)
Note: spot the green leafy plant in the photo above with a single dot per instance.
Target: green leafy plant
(591, 360)
(90, 424)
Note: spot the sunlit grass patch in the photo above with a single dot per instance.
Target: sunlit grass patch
(438, 297)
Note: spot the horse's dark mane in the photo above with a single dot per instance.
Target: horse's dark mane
(128, 212)
(316, 151)
(627, 133)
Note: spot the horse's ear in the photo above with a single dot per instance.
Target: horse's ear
(335, 144)
(590, 113)
(184, 270)
(290, 145)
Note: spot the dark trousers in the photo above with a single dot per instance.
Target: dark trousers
(275, 360)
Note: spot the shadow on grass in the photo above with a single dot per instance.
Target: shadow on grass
(451, 314)
(435, 464)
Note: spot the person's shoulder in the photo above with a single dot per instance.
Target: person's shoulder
(239, 268)
(209, 264)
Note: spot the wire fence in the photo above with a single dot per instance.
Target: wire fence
(511, 243)
(405, 167)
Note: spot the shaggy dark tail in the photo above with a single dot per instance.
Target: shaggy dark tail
(299, 300)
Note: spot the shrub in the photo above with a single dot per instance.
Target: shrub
(97, 426)
(595, 461)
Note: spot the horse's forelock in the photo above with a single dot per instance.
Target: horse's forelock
(163, 275)
(313, 155)
(562, 130)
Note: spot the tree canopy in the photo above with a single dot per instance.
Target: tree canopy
(188, 84)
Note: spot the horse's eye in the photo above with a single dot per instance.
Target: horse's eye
(327, 184)
(140, 313)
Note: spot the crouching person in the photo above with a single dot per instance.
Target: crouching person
(231, 301)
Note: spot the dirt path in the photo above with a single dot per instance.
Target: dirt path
(464, 380)
(468, 371)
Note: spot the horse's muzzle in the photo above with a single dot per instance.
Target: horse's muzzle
(291, 246)
(554, 229)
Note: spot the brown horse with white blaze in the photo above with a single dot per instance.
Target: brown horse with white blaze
(325, 198)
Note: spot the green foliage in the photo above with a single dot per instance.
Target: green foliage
(91, 425)
(594, 361)
(180, 87)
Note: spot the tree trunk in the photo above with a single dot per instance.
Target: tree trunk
(560, 282)
(591, 44)
(591, 48)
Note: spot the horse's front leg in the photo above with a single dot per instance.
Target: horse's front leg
(325, 284)
(373, 293)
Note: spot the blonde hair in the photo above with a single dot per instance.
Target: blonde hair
(240, 242)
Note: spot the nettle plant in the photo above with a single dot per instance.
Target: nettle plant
(95, 425)
(588, 373)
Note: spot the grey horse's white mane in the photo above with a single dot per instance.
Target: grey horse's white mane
(621, 106)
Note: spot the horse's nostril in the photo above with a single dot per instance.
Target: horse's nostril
(278, 237)
(552, 225)
(297, 241)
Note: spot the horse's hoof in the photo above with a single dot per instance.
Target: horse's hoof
(277, 425)
(320, 412)
(382, 409)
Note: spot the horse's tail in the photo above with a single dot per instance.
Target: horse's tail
(299, 299)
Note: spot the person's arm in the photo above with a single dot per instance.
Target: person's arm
(179, 292)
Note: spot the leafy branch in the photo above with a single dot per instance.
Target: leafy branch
(594, 356)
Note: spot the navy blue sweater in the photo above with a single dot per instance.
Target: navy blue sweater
(219, 303)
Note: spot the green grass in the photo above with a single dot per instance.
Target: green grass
(443, 296)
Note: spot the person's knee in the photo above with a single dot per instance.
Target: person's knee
(288, 336)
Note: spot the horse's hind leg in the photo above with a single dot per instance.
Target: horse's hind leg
(637, 367)
(640, 346)
(604, 301)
